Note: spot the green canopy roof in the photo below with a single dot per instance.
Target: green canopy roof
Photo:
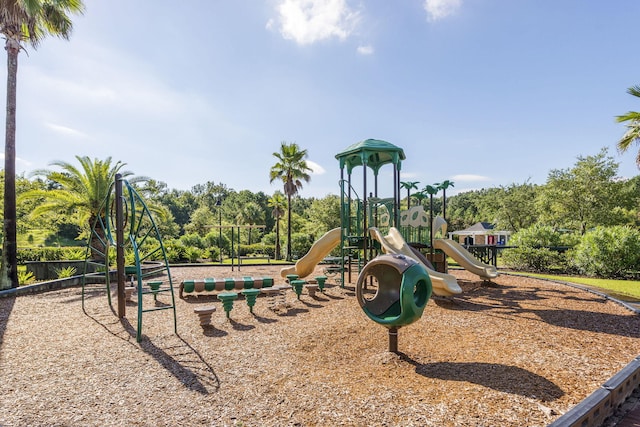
(373, 153)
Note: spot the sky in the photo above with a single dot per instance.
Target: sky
(484, 93)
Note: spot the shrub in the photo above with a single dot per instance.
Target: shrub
(193, 240)
(533, 259)
(608, 252)
(193, 254)
(63, 273)
(26, 278)
(536, 236)
(212, 253)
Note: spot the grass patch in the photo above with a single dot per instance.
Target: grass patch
(624, 287)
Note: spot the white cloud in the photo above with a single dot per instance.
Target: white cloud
(470, 178)
(66, 131)
(316, 168)
(19, 160)
(365, 50)
(309, 21)
(439, 9)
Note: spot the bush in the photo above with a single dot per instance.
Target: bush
(63, 273)
(193, 254)
(539, 260)
(26, 278)
(608, 252)
(212, 253)
(536, 236)
(193, 240)
(51, 254)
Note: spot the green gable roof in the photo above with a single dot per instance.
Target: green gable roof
(373, 153)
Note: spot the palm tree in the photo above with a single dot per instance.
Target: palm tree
(633, 127)
(23, 21)
(292, 169)
(443, 186)
(409, 185)
(250, 214)
(431, 190)
(79, 192)
(277, 203)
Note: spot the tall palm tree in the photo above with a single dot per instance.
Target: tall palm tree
(250, 214)
(277, 203)
(292, 169)
(633, 127)
(443, 186)
(23, 21)
(409, 185)
(431, 190)
(79, 192)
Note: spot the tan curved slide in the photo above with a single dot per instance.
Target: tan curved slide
(443, 284)
(320, 249)
(465, 258)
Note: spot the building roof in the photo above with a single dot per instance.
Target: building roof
(479, 228)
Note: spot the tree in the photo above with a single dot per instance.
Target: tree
(583, 196)
(23, 21)
(79, 192)
(250, 214)
(632, 119)
(292, 169)
(409, 185)
(443, 186)
(278, 204)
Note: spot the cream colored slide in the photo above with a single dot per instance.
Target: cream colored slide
(443, 284)
(320, 249)
(465, 258)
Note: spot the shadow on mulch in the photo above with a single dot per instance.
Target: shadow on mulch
(261, 319)
(6, 307)
(294, 312)
(507, 300)
(503, 378)
(183, 363)
(240, 326)
(213, 332)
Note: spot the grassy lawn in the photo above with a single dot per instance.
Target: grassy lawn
(624, 287)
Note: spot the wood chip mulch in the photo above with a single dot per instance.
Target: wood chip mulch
(515, 352)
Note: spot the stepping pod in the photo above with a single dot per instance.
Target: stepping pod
(251, 295)
(321, 280)
(227, 299)
(297, 286)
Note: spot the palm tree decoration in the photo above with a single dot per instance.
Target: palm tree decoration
(633, 127)
(431, 190)
(292, 169)
(409, 185)
(443, 186)
(79, 192)
(277, 203)
(23, 21)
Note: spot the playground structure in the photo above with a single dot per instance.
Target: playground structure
(365, 220)
(402, 289)
(123, 210)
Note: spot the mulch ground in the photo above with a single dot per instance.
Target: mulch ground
(515, 352)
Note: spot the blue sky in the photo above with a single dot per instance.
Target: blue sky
(481, 92)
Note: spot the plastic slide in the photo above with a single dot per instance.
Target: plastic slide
(443, 284)
(320, 249)
(465, 258)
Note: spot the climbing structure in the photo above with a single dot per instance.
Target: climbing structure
(124, 223)
(358, 213)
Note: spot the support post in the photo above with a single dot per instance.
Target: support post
(120, 248)
(393, 339)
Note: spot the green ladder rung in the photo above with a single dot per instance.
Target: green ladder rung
(156, 308)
